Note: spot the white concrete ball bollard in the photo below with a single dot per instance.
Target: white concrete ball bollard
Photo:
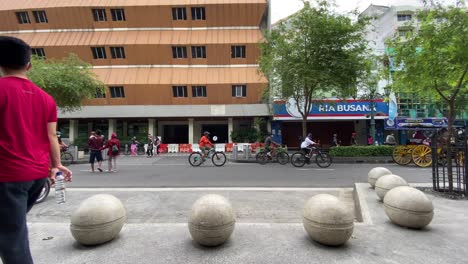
(98, 219)
(327, 220)
(375, 174)
(211, 220)
(388, 182)
(408, 207)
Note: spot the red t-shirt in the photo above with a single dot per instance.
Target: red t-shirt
(204, 141)
(25, 111)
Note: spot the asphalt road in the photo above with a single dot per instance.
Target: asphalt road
(175, 171)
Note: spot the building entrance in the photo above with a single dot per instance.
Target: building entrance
(175, 134)
(221, 131)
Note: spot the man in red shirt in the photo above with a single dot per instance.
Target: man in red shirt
(28, 148)
(205, 144)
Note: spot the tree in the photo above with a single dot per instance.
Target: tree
(434, 61)
(312, 55)
(69, 80)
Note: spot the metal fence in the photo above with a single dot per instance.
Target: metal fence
(458, 185)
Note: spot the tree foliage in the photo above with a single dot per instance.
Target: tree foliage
(314, 54)
(433, 59)
(69, 80)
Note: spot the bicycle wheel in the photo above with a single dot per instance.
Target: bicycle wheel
(218, 158)
(44, 192)
(298, 159)
(67, 158)
(323, 160)
(283, 158)
(195, 159)
(261, 158)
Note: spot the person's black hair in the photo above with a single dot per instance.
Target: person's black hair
(15, 54)
(98, 132)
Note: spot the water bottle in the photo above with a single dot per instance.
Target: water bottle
(60, 188)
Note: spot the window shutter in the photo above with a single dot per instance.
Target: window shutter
(244, 90)
(233, 91)
(185, 91)
(174, 91)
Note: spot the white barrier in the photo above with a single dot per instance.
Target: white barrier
(195, 148)
(220, 147)
(173, 148)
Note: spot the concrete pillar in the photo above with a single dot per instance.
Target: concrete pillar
(112, 127)
(190, 130)
(160, 130)
(269, 125)
(255, 123)
(151, 126)
(73, 134)
(230, 128)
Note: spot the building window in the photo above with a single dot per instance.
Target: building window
(117, 52)
(237, 51)
(179, 52)
(199, 91)
(99, 53)
(23, 17)
(40, 16)
(179, 13)
(239, 90)
(100, 93)
(198, 13)
(38, 52)
(179, 91)
(117, 91)
(99, 15)
(403, 33)
(404, 17)
(118, 14)
(198, 52)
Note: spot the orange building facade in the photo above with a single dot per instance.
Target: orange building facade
(172, 68)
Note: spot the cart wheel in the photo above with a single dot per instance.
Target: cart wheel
(422, 156)
(401, 155)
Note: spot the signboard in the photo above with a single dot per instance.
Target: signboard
(415, 123)
(330, 109)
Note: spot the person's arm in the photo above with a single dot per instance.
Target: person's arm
(55, 162)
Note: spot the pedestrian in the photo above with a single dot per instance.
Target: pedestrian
(25, 110)
(369, 140)
(113, 151)
(95, 144)
(353, 138)
(335, 142)
(149, 150)
(134, 146)
(157, 144)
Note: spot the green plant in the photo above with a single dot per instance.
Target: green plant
(81, 143)
(361, 151)
(248, 135)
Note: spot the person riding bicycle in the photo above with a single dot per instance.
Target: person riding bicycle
(269, 143)
(307, 144)
(205, 144)
(63, 146)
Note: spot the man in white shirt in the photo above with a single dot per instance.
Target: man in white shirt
(307, 144)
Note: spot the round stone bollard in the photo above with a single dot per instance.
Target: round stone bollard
(327, 220)
(375, 174)
(98, 219)
(211, 220)
(408, 207)
(388, 182)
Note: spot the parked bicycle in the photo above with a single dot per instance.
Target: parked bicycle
(66, 157)
(323, 159)
(280, 154)
(217, 157)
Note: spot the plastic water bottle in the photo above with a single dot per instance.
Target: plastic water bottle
(60, 190)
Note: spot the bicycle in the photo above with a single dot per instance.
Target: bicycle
(217, 157)
(323, 159)
(278, 154)
(65, 156)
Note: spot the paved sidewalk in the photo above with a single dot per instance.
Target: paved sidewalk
(269, 230)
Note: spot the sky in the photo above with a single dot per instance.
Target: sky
(284, 8)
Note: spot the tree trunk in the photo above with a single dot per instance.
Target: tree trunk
(304, 127)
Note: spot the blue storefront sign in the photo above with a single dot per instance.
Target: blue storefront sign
(331, 109)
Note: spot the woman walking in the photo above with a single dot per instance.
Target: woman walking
(113, 146)
(149, 150)
(134, 146)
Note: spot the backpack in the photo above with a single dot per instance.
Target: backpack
(115, 149)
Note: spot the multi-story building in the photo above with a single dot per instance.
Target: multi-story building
(172, 68)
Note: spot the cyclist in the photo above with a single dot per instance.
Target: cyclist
(307, 144)
(63, 146)
(205, 144)
(269, 143)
